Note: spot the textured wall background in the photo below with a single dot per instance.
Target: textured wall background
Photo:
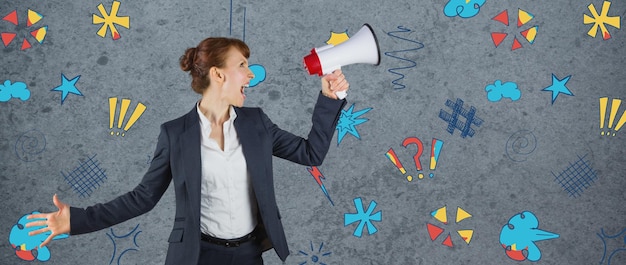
(519, 159)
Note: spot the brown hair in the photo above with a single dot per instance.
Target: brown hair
(210, 52)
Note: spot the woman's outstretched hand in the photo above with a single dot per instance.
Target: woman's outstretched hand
(56, 223)
(333, 83)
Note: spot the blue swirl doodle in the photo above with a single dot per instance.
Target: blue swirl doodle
(401, 29)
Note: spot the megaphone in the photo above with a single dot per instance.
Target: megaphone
(360, 48)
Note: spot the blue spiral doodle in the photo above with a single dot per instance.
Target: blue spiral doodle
(396, 83)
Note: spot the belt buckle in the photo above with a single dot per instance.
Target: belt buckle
(231, 244)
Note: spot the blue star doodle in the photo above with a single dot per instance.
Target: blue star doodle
(364, 218)
(315, 257)
(348, 121)
(67, 86)
(558, 87)
(135, 248)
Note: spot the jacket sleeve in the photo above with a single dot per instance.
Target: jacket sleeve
(312, 150)
(134, 203)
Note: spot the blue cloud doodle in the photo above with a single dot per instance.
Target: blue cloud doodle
(463, 8)
(498, 90)
(15, 90)
(27, 247)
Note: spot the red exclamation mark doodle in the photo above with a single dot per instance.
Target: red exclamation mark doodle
(394, 159)
(435, 151)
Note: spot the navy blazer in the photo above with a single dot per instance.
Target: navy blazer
(177, 158)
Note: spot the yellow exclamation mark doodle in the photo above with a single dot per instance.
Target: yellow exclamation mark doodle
(615, 104)
(122, 115)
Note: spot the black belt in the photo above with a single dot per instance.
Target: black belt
(229, 242)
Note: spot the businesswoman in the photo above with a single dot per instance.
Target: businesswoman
(219, 157)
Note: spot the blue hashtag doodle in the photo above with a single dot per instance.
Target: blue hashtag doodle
(453, 119)
(364, 218)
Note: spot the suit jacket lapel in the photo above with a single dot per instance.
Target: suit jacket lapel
(250, 137)
(192, 160)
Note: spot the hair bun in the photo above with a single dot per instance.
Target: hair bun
(187, 60)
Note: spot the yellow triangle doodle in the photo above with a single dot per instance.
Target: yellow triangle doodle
(33, 17)
(440, 214)
(466, 235)
(461, 214)
(523, 17)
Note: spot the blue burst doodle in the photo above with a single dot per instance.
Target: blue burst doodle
(463, 8)
(259, 74)
(401, 29)
(67, 86)
(15, 90)
(348, 121)
(27, 247)
(315, 257)
(558, 87)
(619, 236)
(113, 235)
(365, 218)
(498, 90)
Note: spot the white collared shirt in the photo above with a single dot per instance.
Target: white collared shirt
(228, 208)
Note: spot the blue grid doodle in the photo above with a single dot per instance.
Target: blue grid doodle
(577, 177)
(453, 119)
(364, 218)
(86, 178)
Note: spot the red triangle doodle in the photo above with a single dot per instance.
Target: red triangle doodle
(516, 44)
(503, 17)
(25, 44)
(498, 37)
(7, 37)
(11, 17)
(434, 231)
(447, 241)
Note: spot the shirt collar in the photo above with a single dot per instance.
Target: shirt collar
(206, 124)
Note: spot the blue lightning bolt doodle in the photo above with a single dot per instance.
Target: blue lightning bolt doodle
(621, 236)
(318, 176)
(396, 83)
(113, 235)
(348, 121)
(558, 87)
(67, 86)
(521, 233)
(364, 218)
(315, 258)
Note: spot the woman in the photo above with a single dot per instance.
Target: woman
(219, 157)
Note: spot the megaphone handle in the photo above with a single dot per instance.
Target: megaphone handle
(341, 94)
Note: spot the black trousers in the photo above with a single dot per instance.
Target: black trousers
(248, 253)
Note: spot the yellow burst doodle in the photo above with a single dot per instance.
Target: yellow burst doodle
(109, 20)
(600, 20)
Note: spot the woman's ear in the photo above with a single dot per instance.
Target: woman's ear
(215, 74)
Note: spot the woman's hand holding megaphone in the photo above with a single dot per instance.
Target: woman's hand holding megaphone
(335, 85)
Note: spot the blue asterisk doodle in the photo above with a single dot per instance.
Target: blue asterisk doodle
(67, 86)
(364, 218)
(348, 121)
(558, 87)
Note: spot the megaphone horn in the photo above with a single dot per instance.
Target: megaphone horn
(360, 48)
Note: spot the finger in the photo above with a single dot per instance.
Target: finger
(47, 241)
(38, 231)
(35, 216)
(57, 202)
(36, 223)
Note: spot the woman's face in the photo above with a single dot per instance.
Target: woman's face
(237, 77)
